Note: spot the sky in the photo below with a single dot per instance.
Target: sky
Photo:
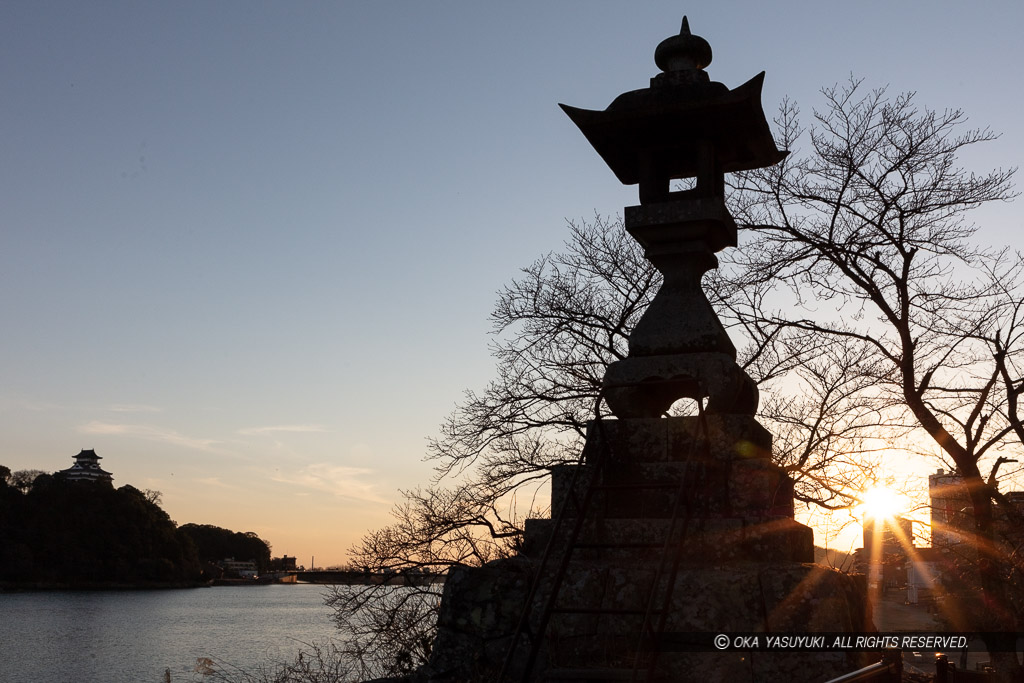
(248, 249)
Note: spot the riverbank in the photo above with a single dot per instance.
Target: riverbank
(41, 586)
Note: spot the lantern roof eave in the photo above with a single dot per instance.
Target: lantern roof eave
(666, 125)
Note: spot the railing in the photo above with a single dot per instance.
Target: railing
(946, 672)
(889, 670)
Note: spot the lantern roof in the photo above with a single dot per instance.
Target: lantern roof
(658, 130)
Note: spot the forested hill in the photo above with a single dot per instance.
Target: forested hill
(82, 533)
(55, 532)
(214, 543)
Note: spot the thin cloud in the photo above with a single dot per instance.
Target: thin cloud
(134, 408)
(150, 433)
(335, 479)
(254, 431)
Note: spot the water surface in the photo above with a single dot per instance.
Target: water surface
(134, 636)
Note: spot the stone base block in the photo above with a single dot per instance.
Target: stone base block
(717, 467)
(678, 439)
(482, 606)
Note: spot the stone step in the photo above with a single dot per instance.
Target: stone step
(743, 488)
(705, 541)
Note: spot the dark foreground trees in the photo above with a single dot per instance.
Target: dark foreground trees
(89, 533)
(861, 306)
(80, 533)
(214, 544)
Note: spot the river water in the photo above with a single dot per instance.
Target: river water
(135, 636)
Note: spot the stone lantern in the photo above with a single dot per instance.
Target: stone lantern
(670, 530)
(683, 126)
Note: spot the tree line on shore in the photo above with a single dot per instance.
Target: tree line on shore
(82, 533)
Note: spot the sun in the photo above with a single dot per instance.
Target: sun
(882, 503)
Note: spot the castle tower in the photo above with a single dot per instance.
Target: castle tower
(87, 468)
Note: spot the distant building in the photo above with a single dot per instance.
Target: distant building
(243, 569)
(888, 535)
(925, 569)
(952, 516)
(887, 543)
(283, 564)
(87, 468)
(953, 513)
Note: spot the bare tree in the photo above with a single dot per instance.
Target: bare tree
(569, 316)
(829, 430)
(24, 479)
(557, 327)
(385, 630)
(153, 496)
(866, 234)
(388, 629)
(315, 663)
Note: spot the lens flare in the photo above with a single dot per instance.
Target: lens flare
(882, 503)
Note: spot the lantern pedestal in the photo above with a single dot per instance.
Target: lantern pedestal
(737, 564)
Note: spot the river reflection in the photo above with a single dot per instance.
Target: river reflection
(134, 636)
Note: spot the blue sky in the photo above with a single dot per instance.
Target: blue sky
(248, 249)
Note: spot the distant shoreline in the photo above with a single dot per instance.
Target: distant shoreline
(39, 586)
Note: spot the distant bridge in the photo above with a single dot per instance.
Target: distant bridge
(339, 577)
